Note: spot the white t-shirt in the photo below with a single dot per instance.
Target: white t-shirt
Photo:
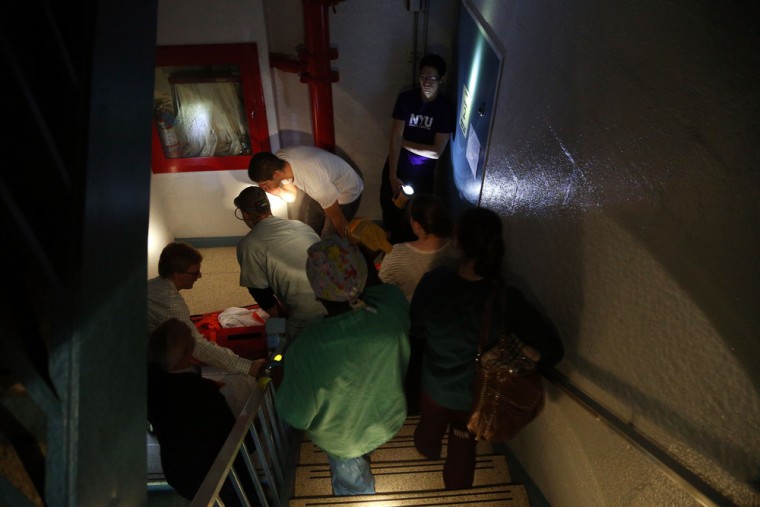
(323, 176)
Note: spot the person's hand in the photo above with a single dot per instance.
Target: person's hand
(531, 353)
(396, 186)
(256, 366)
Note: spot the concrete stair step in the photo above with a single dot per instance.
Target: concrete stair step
(400, 448)
(505, 495)
(392, 476)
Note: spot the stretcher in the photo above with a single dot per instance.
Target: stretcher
(249, 342)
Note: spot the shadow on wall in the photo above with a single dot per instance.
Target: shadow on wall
(299, 138)
(296, 138)
(672, 421)
(577, 139)
(524, 236)
(723, 285)
(566, 275)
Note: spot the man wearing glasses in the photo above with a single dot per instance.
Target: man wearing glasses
(272, 258)
(179, 266)
(423, 120)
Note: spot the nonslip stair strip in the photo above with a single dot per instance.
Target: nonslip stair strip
(395, 476)
(400, 448)
(506, 495)
(404, 478)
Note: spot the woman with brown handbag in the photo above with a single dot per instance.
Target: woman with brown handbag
(447, 314)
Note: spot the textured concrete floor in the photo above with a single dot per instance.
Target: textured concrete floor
(219, 287)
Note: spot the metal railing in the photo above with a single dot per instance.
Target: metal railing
(269, 467)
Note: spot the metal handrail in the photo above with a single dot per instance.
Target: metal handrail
(273, 443)
(700, 490)
(274, 449)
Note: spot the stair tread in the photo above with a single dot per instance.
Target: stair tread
(511, 495)
(400, 448)
(398, 467)
(393, 476)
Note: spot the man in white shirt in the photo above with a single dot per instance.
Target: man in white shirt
(179, 266)
(323, 176)
(272, 258)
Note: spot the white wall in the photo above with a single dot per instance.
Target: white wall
(375, 42)
(199, 204)
(624, 163)
(221, 22)
(159, 234)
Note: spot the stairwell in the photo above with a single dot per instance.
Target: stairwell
(403, 478)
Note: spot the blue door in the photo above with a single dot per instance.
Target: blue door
(478, 69)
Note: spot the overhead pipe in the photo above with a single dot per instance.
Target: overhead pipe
(313, 65)
(417, 7)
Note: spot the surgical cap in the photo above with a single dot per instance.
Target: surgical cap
(337, 271)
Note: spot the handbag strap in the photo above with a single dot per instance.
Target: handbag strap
(485, 326)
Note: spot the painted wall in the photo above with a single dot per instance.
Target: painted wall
(375, 43)
(199, 204)
(624, 162)
(375, 63)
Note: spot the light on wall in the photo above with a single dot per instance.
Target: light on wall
(467, 182)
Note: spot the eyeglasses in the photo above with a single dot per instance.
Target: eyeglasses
(432, 79)
(194, 274)
(239, 214)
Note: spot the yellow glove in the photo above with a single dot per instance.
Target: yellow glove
(361, 231)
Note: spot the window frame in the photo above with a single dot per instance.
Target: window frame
(245, 56)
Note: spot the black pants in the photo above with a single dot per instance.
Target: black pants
(395, 220)
(308, 211)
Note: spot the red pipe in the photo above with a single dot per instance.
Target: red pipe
(286, 63)
(314, 66)
(318, 75)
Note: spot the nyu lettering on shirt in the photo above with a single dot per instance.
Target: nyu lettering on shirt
(423, 120)
(420, 121)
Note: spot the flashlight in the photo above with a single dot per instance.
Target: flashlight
(403, 197)
(266, 377)
(273, 363)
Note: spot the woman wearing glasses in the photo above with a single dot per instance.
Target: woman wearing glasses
(423, 119)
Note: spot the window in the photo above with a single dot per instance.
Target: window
(208, 108)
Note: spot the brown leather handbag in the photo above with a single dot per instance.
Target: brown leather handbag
(508, 388)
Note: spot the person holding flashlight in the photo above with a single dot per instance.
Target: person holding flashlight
(423, 120)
